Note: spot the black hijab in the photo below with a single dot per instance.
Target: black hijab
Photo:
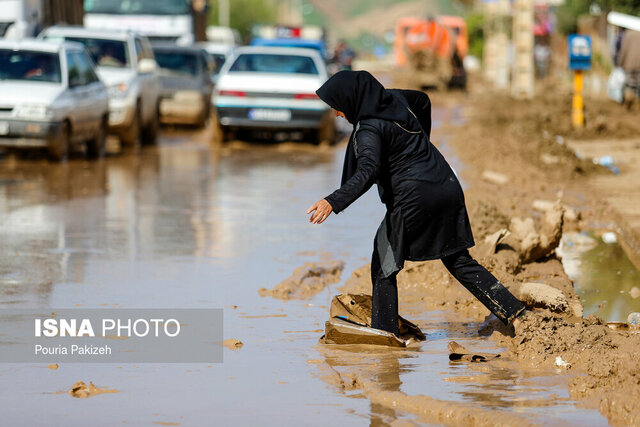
(360, 96)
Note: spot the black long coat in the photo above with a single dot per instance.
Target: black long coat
(426, 215)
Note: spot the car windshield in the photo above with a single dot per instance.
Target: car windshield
(274, 63)
(30, 65)
(137, 7)
(105, 53)
(178, 62)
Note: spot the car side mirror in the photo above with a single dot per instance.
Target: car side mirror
(147, 65)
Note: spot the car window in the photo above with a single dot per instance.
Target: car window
(105, 53)
(73, 71)
(30, 65)
(274, 63)
(179, 62)
(84, 68)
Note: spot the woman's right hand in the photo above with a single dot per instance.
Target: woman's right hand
(322, 210)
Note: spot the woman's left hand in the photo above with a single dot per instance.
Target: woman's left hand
(322, 210)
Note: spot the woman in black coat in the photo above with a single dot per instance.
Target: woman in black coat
(426, 215)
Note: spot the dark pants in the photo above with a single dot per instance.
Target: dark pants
(482, 284)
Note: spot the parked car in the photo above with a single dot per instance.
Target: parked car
(126, 64)
(186, 84)
(51, 97)
(273, 88)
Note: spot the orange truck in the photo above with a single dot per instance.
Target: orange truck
(433, 50)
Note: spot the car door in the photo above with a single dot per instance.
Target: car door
(78, 113)
(93, 93)
(208, 67)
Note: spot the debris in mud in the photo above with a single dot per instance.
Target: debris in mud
(562, 363)
(633, 319)
(82, 391)
(350, 323)
(232, 344)
(542, 295)
(609, 238)
(492, 241)
(341, 332)
(53, 366)
(306, 281)
(495, 177)
(459, 353)
(634, 292)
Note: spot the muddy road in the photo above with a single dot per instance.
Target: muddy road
(189, 224)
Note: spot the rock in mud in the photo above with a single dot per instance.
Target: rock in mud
(232, 344)
(495, 177)
(306, 281)
(541, 295)
(532, 244)
(491, 242)
(634, 292)
(82, 391)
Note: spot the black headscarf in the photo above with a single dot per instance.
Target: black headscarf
(360, 96)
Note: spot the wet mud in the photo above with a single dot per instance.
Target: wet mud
(306, 281)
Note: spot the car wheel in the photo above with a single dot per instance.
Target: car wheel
(221, 134)
(202, 120)
(96, 146)
(58, 149)
(150, 132)
(131, 137)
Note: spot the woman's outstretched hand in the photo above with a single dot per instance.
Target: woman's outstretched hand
(322, 210)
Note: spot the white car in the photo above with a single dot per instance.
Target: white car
(51, 97)
(126, 64)
(273, 88)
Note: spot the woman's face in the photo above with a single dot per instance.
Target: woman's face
(339, 114)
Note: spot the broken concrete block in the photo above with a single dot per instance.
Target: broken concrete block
(495, 177)
(542, 295)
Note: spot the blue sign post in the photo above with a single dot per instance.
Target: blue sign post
(580, 53)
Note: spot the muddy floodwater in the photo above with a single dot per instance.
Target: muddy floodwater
(188, 224)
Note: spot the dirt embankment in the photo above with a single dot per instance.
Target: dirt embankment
(523, 143)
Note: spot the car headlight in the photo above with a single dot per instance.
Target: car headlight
(37, 112)
(119, 90)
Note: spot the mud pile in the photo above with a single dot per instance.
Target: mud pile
(82, 391)
(608, 359)
(522, 256)
(306, 281)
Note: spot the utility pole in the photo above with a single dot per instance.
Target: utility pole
(523, 44)
(223, 13)
(496, 42)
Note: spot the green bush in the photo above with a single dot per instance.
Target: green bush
(475, 23)
(243, 14)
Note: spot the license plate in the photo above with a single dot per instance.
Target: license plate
(270, 114)
(4, 128)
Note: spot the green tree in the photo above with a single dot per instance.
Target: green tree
(569, 12)
(244, 14)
